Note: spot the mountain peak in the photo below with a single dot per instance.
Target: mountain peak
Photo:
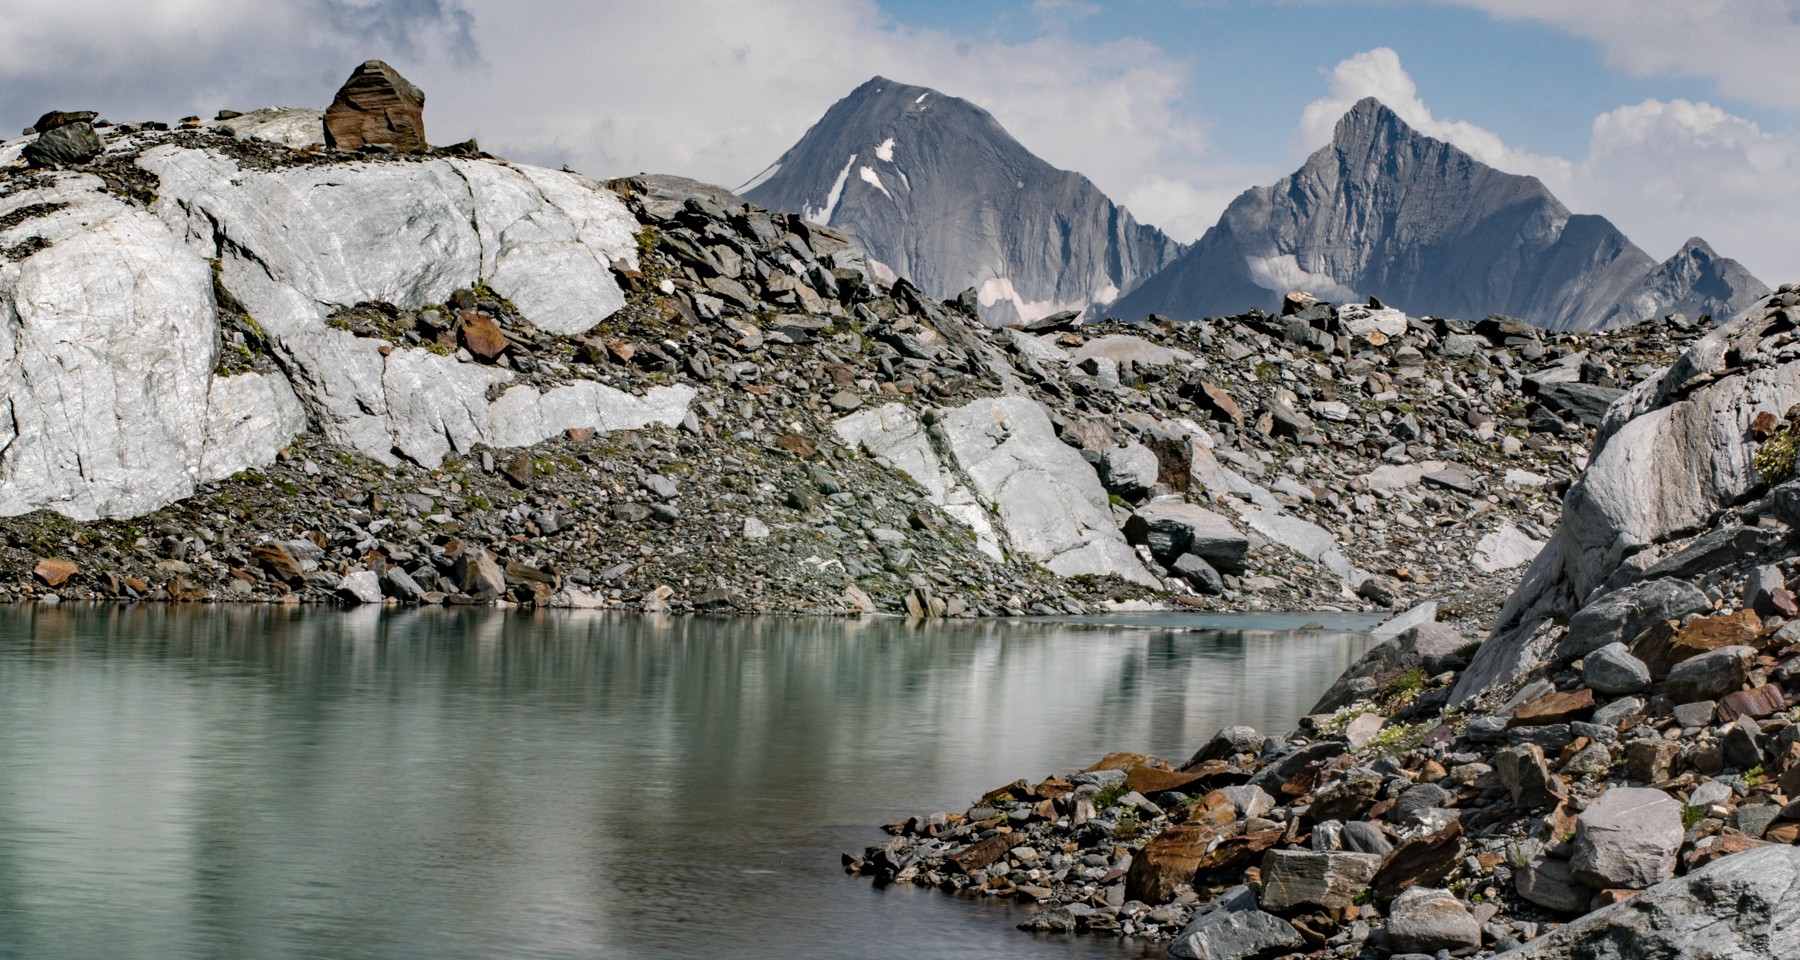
(937, 191)
(1389, 211)
(1367, 122)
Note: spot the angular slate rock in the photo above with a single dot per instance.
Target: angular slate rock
(1710, 675)
(1741, 907)
(1423, 920)
(1234, 927)
(1627, 838)
(1304, 878)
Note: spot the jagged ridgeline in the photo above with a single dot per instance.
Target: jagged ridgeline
(938, 192)
(1386, 211)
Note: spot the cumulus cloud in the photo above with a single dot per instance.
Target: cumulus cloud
(713, 89)
(1662, 172)
(1743, 46)
(1666, 171)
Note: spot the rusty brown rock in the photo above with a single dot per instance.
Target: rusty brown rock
(483, 337)
(1710, 633)
(1149, 780)
(54, 572)
(1122, 761)
(977, 856)
(278, 561)
(1173, 857)
(797, 445)
(1221, 404)
(1559, 707)
(377, 107)
(1425, 862)
(1763, 701)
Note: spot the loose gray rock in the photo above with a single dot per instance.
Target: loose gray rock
(1620, 616)
(1233, 927)
(363, 586)
(64, 146)
(1627, 838)
(1414, 647)
(1742, 907)
(1198, 573)
(1171, 527)
(1547, 882)
(1423, 920)
(1129, 471)
(1710, 675)
(1229, 742)
(1612, 670)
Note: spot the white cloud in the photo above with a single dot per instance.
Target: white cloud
(1744, 46)
(1661, 172)
(713, 89)
(1667, 171)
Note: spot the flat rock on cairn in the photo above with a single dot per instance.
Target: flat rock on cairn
(376, 107)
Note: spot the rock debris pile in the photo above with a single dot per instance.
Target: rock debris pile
(1618, 763)
(650, 394)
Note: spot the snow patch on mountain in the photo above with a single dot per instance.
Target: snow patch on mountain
(870, 177)
(831, 199)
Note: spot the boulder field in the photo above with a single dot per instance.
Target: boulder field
(242, 365)
(1613, 772)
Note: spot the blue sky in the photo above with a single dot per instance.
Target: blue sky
(1671, 117)
(1254, 65)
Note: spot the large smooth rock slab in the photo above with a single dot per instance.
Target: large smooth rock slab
(294, 244)
(1504, 548)
(1125, 348)
(294, 127)
(1303, 537)
(1671, 455)
(1234, 927)
(109, 406)
(1048, 500)
(893, 435)
(1627, 838)
(1742, 907)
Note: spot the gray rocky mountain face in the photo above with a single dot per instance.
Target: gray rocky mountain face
(1386, 211)
(938, 192)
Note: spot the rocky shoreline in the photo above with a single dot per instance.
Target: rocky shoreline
(1612, 772)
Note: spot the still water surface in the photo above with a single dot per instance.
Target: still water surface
(259, 782)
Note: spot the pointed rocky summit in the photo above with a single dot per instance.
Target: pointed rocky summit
(1384, 210)
(938, 192)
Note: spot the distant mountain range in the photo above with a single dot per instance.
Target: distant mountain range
(1384, 210)
(937, 191)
